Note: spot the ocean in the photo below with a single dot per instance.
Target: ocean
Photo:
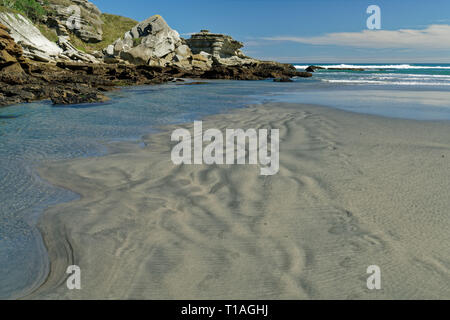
(32, 134)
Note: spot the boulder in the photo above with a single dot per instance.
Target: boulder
(150, 42)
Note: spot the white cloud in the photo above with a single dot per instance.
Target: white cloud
(435, 36)
(188, 33)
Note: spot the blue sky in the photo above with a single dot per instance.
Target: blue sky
(310, 31)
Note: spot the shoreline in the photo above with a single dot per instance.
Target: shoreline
(287, 269)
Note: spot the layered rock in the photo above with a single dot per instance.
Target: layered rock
(88, 18)
(215, 44)
(33, 43)
(71, 53)
(11, 59)
(221, 49)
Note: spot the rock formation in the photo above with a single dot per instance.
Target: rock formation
(215, 44)
(66, 82)
(221, 49)
(89, 18)
(151, 42)
(205, 55)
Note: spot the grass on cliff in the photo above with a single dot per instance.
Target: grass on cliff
(29, 8)
(47, 32)
(113, 28)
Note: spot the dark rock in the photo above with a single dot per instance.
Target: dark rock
(253, 71)
(76, 96)
(313, 68)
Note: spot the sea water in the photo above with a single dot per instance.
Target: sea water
(32, 134)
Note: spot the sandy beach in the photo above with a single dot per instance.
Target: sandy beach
(352, 191)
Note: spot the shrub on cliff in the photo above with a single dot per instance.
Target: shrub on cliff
(30, 8)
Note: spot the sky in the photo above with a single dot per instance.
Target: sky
(310, 31)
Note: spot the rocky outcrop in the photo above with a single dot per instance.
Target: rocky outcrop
(221, 49)
(217, 45)
(254, 71)
(66, 82)
(69, 82)
(314, 68)
(205, 55)
(151, 42)
(87, 25)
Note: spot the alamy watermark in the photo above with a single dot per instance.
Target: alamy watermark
(74, 280)
(230, 148)
(374, 21)
(374, 280)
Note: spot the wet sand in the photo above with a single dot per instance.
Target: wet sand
(352, 191)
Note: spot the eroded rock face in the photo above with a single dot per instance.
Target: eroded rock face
(11, 59)
(37, 47)
(89, 20)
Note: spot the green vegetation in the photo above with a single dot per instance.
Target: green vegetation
(137, 41)
(113, 28)
(50, 34)
(29, 8)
